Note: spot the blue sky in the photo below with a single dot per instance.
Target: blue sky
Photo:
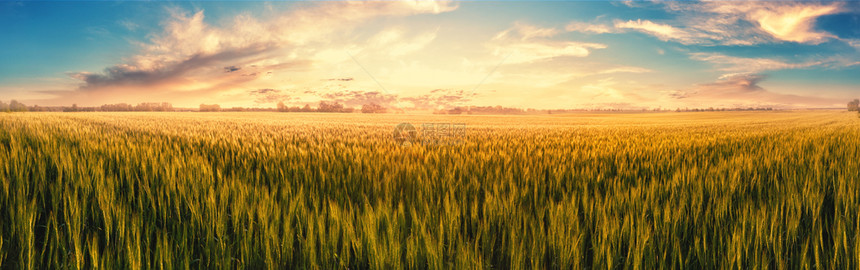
(429, 55)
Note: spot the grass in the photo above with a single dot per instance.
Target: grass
(331, 191)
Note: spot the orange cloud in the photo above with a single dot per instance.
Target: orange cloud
(783, 21)
(795, 23)
(189, 56)
(744, 90)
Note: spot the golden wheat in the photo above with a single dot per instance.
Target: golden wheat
(290, 190)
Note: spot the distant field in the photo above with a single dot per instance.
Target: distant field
(290, 190)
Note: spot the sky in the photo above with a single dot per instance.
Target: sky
(433, 55)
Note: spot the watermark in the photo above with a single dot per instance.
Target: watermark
(430, 134)
(405, 134)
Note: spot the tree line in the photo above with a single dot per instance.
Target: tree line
(854, 106)
(13, 106)
(324, 106)
(335, 107)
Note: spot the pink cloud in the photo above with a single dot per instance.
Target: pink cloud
(744, 90)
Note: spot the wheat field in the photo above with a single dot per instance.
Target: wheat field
(726, 190)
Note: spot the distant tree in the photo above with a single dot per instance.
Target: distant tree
(331, 107)
(853, 105)
(282, 107)
(372, 108)
(488, 110)
(307, 108)
(325, 107)
(154, 107)
(210, 108)
(16, 106)
(4, 107)
(119, 107)
(143, 107)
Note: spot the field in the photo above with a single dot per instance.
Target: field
(706, 190)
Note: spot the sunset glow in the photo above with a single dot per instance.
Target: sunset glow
(430, 55)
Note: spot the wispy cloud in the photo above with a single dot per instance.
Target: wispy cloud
(749, 65)
(131, 26)
(662, 31)
(747, 23)
(745, 90)
(97, 31)
(398, 44)
(584, 27)
(269, 96)
(527, 44)
(728, 23)
(524, 32)
(602, 90)
(783, 21)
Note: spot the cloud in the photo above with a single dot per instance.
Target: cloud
(135, 75)
(623, 69)
(662, 31)
(96, 31)
(604, 89)
(854, 43)
(727, 86)
(748, 23)
(528, 44)
(749, 65)
(269, 96)
(356, 98)
(439, 99)
(536, 51)
(729, 22)
(131, 26)
(583, 27)
(784, 21)
(191, 55)
(396, 44)
(523, 32)
(745, 90)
